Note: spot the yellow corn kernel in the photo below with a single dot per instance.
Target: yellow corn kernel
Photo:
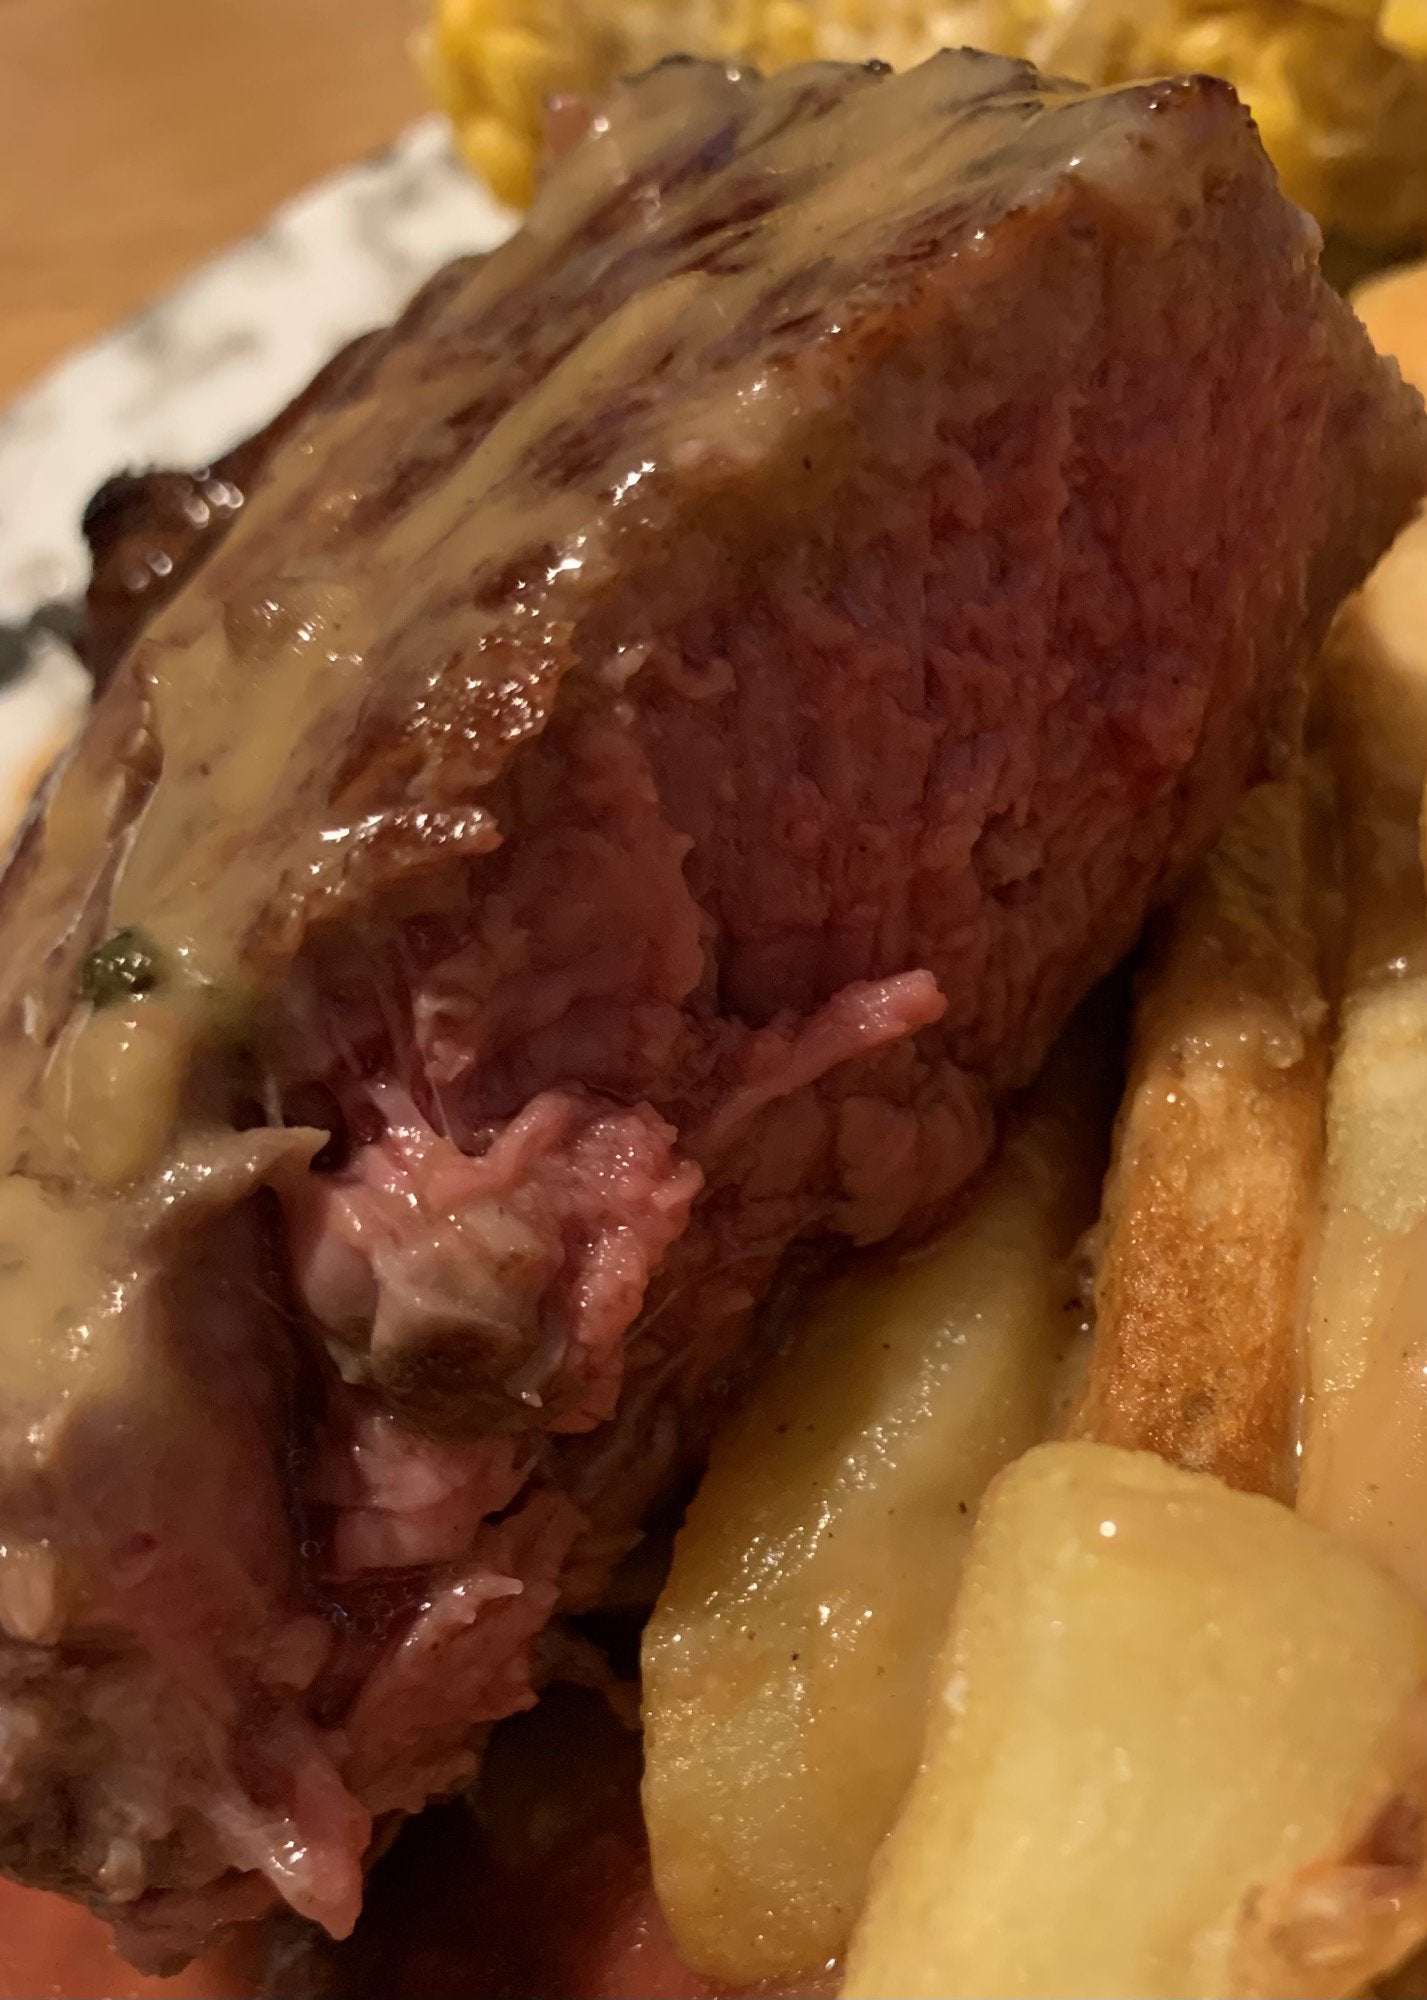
(502, 156)
(784, 32)
(447, 81)
(458, 27)
(518, 70)
(1402, 25)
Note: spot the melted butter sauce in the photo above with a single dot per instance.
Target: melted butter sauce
(391, 613)
(51, 1249)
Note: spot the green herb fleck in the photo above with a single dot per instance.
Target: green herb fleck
(124, 964)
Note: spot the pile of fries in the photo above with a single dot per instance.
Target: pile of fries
(1161, 1475)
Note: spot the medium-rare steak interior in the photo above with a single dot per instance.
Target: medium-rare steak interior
(654, 759)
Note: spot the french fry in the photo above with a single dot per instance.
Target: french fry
(1364, 1439)
(785, 1668)
(1209, 1204)
(1211, 1210)
(1393, 308)
(1168, 1714)
(1358, 1908)
(1364, 1466)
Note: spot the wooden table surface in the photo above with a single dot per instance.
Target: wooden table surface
(139, 136)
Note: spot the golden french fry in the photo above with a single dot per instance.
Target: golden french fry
(786, 1665)
(1364, 1468)
(1162, 1703)
(1209, 1204)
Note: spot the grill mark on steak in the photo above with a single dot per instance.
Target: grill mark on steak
(662, 825)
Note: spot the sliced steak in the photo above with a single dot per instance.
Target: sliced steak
(650, 764)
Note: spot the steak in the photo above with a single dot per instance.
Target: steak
(656, 757)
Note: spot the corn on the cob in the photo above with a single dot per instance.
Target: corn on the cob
(1339, 87)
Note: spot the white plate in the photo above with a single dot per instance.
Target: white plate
(198, 371)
